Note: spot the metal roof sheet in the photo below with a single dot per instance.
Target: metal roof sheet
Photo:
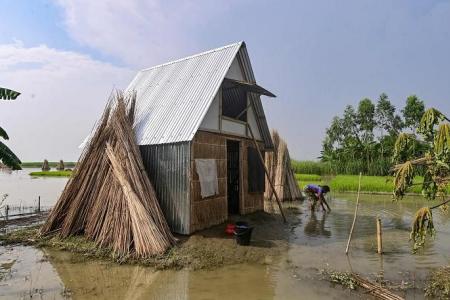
(173, 98)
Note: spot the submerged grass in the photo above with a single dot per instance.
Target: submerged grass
(51, 173)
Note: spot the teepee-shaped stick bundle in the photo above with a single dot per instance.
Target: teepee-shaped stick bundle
(278, 164)
(109, 198)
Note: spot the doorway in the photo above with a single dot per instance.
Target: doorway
(233, 177)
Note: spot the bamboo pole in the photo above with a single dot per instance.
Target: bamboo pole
(267, 173)
(354, 217)
(379, 237)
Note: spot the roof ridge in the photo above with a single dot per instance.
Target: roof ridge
(194, 55)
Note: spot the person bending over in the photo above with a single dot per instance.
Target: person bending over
(316, 194)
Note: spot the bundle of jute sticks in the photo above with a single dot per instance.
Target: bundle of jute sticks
(278, 164)
(109, 197)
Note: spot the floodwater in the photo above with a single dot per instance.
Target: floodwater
(24, 190)
(317, 242)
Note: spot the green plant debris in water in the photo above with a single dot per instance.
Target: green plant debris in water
(343, 278)
(438, 284)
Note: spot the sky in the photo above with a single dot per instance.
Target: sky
(66, 56)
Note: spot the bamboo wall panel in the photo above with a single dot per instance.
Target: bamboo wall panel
(209, 211)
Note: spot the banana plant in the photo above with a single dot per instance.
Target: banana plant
(6, 155)
(7, 94)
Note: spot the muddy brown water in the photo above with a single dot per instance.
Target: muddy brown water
(317, 242)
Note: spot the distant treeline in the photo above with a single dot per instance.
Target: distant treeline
(362, 138)
(52, 164)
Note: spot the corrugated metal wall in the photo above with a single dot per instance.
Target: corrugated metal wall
(168, 166)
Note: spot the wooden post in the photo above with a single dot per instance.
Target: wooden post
(267, 173)
(354, 217)
(379, 237)
(7, 211)
(39, 204)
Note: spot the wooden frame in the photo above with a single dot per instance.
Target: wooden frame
(241, 182)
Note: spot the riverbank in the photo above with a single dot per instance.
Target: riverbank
(349, 183)
(51, 164)
(51, 173)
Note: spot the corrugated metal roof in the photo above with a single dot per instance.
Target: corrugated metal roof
(173, 98)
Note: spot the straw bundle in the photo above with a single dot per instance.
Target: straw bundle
(278, 164)
(60, 166)
(45, 166)
(109, 198)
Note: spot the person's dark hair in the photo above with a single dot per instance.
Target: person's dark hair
(325, 188)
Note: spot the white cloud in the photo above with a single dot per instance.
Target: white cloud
(63, 94)
(139, 32)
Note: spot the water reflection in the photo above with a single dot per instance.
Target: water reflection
(315, 227)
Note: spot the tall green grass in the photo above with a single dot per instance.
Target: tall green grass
(308, 177)
(311, 167)
(349, 183)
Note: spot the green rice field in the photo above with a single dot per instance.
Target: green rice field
(349, 183)
(52, 173)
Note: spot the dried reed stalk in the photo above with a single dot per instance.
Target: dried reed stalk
(109, 198)
(375, 289)
(278, 164)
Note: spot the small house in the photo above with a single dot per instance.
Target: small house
(197, 120)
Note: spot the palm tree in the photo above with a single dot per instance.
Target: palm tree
(6, 155)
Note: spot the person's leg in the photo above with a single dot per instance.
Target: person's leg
(321, 204)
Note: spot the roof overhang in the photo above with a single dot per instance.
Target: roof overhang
(247, 86)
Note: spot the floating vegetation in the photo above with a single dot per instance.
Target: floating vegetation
(438, 284)
(343, 278)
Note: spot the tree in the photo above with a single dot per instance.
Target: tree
(434, 128)
(366, 115)
(363, 139)
(413, 111)
(386, 117)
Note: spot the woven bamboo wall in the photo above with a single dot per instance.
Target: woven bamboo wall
(206, 212)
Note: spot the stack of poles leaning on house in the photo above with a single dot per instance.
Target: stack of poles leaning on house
(278, 164)
(109, 199)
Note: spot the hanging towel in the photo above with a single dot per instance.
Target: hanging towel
(207, 173)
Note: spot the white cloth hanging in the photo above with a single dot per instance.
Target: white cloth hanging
(207, 173)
